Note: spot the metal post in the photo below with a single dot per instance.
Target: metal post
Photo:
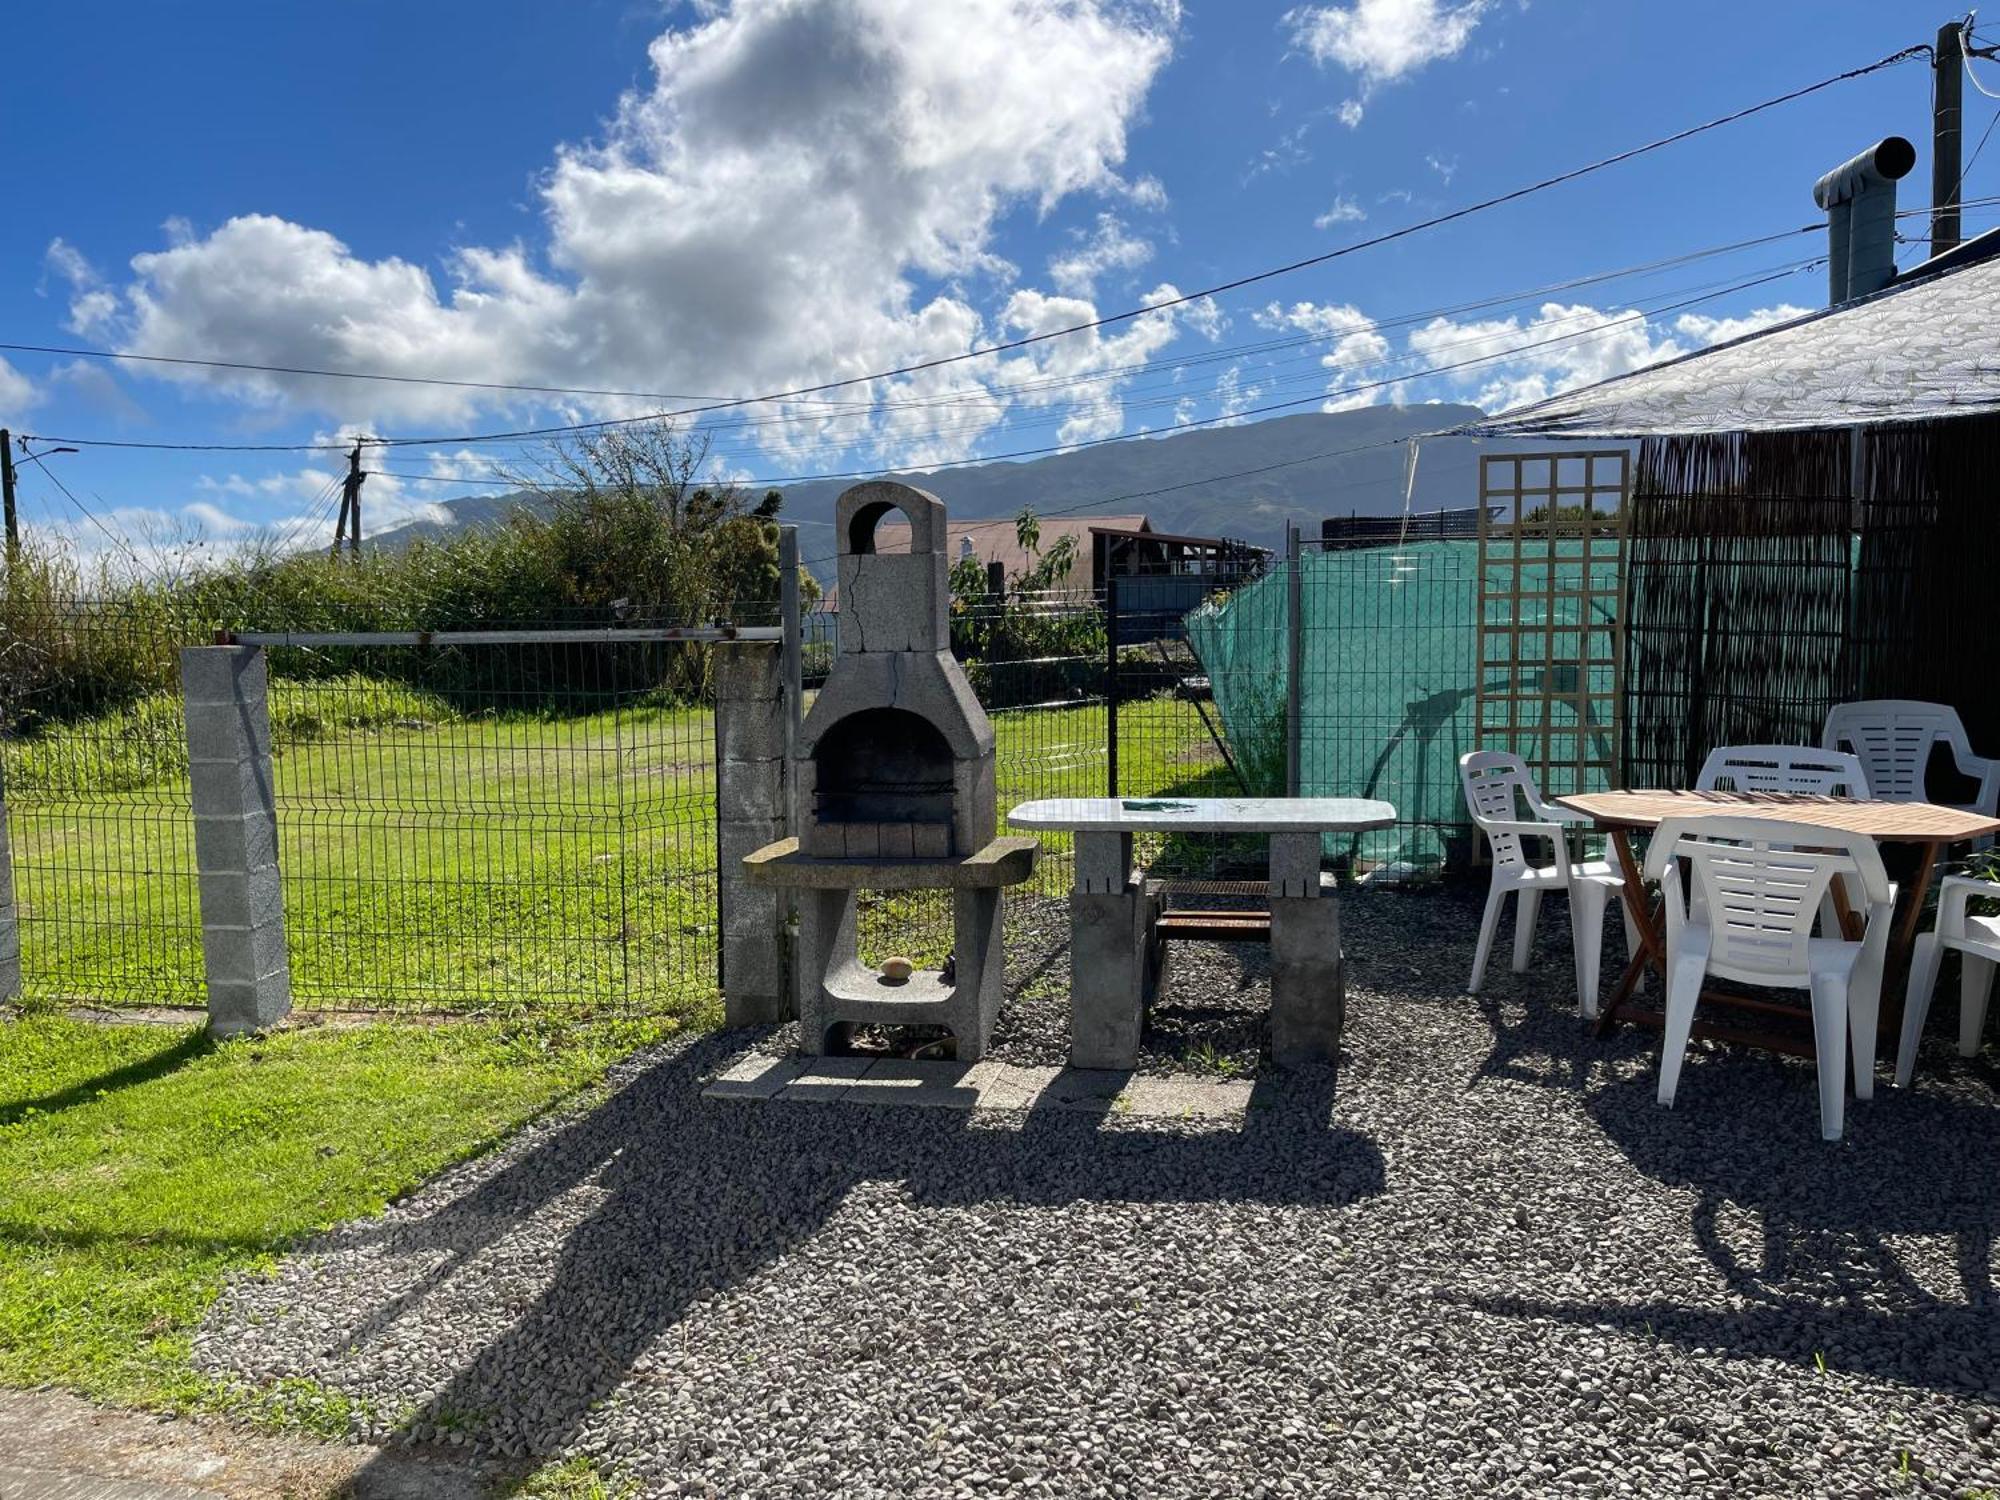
(10, 928)
(1111, 685)
(7, 496)
(794, 634)
(1946, 116)
(1295, 656)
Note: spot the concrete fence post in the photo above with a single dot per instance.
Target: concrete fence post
(236, 837)
(751, 719)
(10, 927)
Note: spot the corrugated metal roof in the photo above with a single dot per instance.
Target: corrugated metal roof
(1927, 346)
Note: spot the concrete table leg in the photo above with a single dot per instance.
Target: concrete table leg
(1308, 979)
(1109, 934)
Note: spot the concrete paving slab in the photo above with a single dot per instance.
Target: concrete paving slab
(1179, 1097)
(757, 1076)
(933, 1085)
(1094, 1089)
(825, 1080)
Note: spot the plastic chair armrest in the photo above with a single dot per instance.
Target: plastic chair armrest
(1954, 891)
(1987, 773)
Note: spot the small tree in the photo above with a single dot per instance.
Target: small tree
(1023, 624)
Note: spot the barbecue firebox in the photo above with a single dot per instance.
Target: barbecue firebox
(892, 789)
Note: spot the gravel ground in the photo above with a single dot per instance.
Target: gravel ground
(1492, 1266)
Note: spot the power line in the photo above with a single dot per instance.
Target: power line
(1569, 284)
(1170, 392)
(1113, 319)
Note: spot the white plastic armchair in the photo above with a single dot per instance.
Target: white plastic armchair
(1894, 737)
(1799, 770)
(1757, 887)
(1510, 810)
(1795, 770)
(1977, 940)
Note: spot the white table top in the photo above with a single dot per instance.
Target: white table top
(1204, 814)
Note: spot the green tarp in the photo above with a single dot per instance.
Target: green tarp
(1388, 683)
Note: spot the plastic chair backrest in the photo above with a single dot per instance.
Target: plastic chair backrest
(1893, 737)
(1758, 883)
(1798, 769)
(1498, 789)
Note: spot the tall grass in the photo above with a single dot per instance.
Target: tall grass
(79, 642)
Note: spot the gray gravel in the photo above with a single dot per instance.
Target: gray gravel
(1493, 1266)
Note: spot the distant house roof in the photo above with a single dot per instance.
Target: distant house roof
(993, 540)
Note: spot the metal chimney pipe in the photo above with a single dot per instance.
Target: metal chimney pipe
(1859, 197)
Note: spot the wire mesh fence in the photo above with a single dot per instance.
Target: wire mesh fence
(473, 827)
(93, 772)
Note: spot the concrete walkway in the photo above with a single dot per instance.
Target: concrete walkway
(54, 1446)
(982, 1085)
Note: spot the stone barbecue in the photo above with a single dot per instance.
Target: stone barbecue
(892, 789)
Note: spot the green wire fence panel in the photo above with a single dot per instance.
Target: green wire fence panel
(1388, 678)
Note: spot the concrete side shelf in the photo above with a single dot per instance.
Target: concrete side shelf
(1005, 861)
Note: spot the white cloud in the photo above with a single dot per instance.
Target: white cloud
(1108, 247)
(18, 394)
(803, 192)
(1344, 211)
(1560, 348)
(1233, 397)
(1206, 317)
(1147, 192)
(1095, 408)
(1445, 166)
(1356, 350)
(1705, 330)
(1381, 41)
(93, 306)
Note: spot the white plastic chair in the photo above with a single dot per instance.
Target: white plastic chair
(1977, 940)
(1749, 917)
(1797, 770)
(1894, 737)
(1498, 790)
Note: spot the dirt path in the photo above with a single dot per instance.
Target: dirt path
(54, 1446)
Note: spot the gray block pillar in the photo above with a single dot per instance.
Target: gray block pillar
(1308, 981)
(1109, 936)
(750, 734)
(236, 837)
(10, 927)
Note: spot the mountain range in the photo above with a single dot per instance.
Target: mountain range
(1244, 481)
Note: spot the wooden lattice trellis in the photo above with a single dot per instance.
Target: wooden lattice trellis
(1551, 588)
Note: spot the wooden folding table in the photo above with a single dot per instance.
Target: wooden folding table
(1620, 814)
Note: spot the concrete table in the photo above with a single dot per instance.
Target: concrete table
(1111, 937)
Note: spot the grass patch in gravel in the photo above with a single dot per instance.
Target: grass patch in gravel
(575, 1479)
(141, 1165)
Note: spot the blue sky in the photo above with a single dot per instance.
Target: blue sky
(725, 199)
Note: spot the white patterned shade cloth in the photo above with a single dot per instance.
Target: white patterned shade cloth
(1926, 348)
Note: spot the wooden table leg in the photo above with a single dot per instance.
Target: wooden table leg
(1920, 886)
(1652, 938)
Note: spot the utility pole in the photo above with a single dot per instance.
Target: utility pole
(7, 495)
(350, 507)
(1947, 93)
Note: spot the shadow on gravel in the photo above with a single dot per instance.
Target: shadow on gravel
(1831, 1250)
(704, 1194)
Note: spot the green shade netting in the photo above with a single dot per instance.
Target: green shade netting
(1388, 683)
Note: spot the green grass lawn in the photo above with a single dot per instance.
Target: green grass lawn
(487, 865)
(141, 1165)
